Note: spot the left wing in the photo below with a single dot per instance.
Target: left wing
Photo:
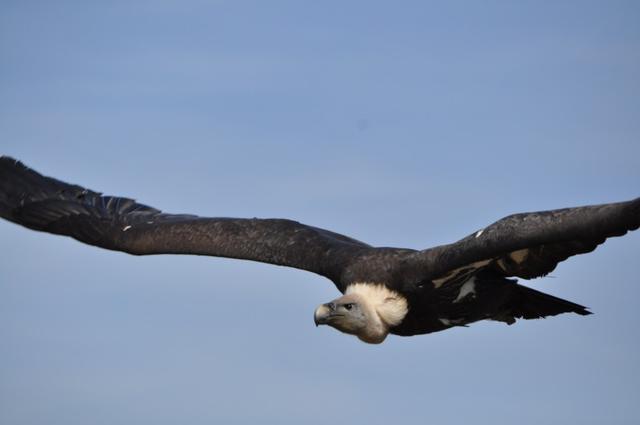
(531, 245)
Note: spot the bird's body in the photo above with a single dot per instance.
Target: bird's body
(385, 290)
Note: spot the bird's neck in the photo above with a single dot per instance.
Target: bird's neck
(384, 308)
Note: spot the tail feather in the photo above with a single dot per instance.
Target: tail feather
(532, 304)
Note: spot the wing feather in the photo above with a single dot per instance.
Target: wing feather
(121, 224)
(530, 245)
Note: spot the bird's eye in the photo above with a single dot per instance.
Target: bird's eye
(348, 306)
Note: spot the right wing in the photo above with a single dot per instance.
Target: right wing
(121, 224)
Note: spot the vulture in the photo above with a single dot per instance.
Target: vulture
(384, 290)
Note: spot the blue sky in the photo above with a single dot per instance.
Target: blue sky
(407, 124)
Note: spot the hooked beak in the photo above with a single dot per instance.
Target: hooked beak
(323, 313)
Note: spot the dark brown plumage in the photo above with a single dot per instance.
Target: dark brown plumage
(444, 286)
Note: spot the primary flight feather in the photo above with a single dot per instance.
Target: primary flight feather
(385, 290)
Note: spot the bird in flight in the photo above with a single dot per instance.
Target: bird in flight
(384, 290)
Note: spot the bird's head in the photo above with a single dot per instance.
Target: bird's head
(367, 311)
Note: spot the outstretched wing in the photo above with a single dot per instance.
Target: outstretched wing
(530, 245)
(121, 224)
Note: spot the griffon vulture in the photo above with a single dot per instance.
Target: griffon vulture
(385, 290)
